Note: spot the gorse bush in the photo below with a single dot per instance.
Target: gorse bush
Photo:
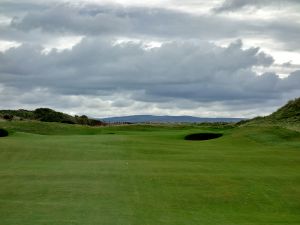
(8, 117)
(48, 115)
(21, 113)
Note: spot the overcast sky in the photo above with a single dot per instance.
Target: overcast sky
(217, 58)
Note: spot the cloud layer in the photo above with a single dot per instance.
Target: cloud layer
(131, 60)
(233, 5)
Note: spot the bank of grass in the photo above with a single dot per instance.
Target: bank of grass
(57, 174)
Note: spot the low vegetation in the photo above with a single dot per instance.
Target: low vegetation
(48, 115)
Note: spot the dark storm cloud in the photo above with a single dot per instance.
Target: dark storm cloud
(178, 70)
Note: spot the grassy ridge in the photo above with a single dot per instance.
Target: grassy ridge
(287, 116)
(289, 112)
(148, 175)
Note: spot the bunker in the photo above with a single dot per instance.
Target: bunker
(3, 133)
(202, 136)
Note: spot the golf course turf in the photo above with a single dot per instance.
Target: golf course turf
(57, 174)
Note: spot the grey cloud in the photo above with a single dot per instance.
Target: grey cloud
(150, 23)
(197, 72)
(11, 8)
(65, 18)
(292, 81)
(117, 20)
(233, 5)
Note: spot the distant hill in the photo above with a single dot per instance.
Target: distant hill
(287, 114)
(166, 119)
(47, 115)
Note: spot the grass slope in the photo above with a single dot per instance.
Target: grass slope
(54, 174)
(288, 113)
(286, 116)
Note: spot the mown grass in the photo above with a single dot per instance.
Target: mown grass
(66, 174)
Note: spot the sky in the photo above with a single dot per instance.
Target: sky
(102, 58)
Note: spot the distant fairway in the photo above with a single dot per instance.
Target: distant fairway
(57, 174)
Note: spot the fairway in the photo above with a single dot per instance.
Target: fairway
(55, 174)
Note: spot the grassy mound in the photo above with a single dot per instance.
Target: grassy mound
(288, 113)
(286, 116)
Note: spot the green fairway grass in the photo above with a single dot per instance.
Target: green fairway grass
(57, 174)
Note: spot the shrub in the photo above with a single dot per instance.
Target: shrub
(8, 117)
(49, 115)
